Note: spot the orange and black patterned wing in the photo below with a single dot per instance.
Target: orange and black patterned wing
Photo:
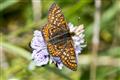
(47, 31)
(55, 17)
(68, 56)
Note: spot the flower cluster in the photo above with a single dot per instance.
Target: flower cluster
(40, 53)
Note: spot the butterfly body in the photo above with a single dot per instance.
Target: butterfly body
(58, 38)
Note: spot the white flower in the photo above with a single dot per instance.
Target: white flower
(78, 38)
(40, 55)
(38, 41)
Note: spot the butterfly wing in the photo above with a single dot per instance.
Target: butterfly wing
(55, 17)
(68, 55)
(56, 23)
(47, 31)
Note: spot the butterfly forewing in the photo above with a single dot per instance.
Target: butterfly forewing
(59, 46)
(55, 17)
(47, 32)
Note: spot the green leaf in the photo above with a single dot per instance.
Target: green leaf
(6, 4)
(16, 50)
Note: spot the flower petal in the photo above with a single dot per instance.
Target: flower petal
(37, 33)
(57, 61)
(78, 49)
(60, 66)
(38, 41)
(71, 27)
(79, 28)
(40, 57)
(75, 38)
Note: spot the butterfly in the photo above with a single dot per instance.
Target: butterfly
(58, 38)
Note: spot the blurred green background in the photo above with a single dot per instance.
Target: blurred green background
(19, 18)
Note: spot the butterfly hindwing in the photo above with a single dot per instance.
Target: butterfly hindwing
(68, 56)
